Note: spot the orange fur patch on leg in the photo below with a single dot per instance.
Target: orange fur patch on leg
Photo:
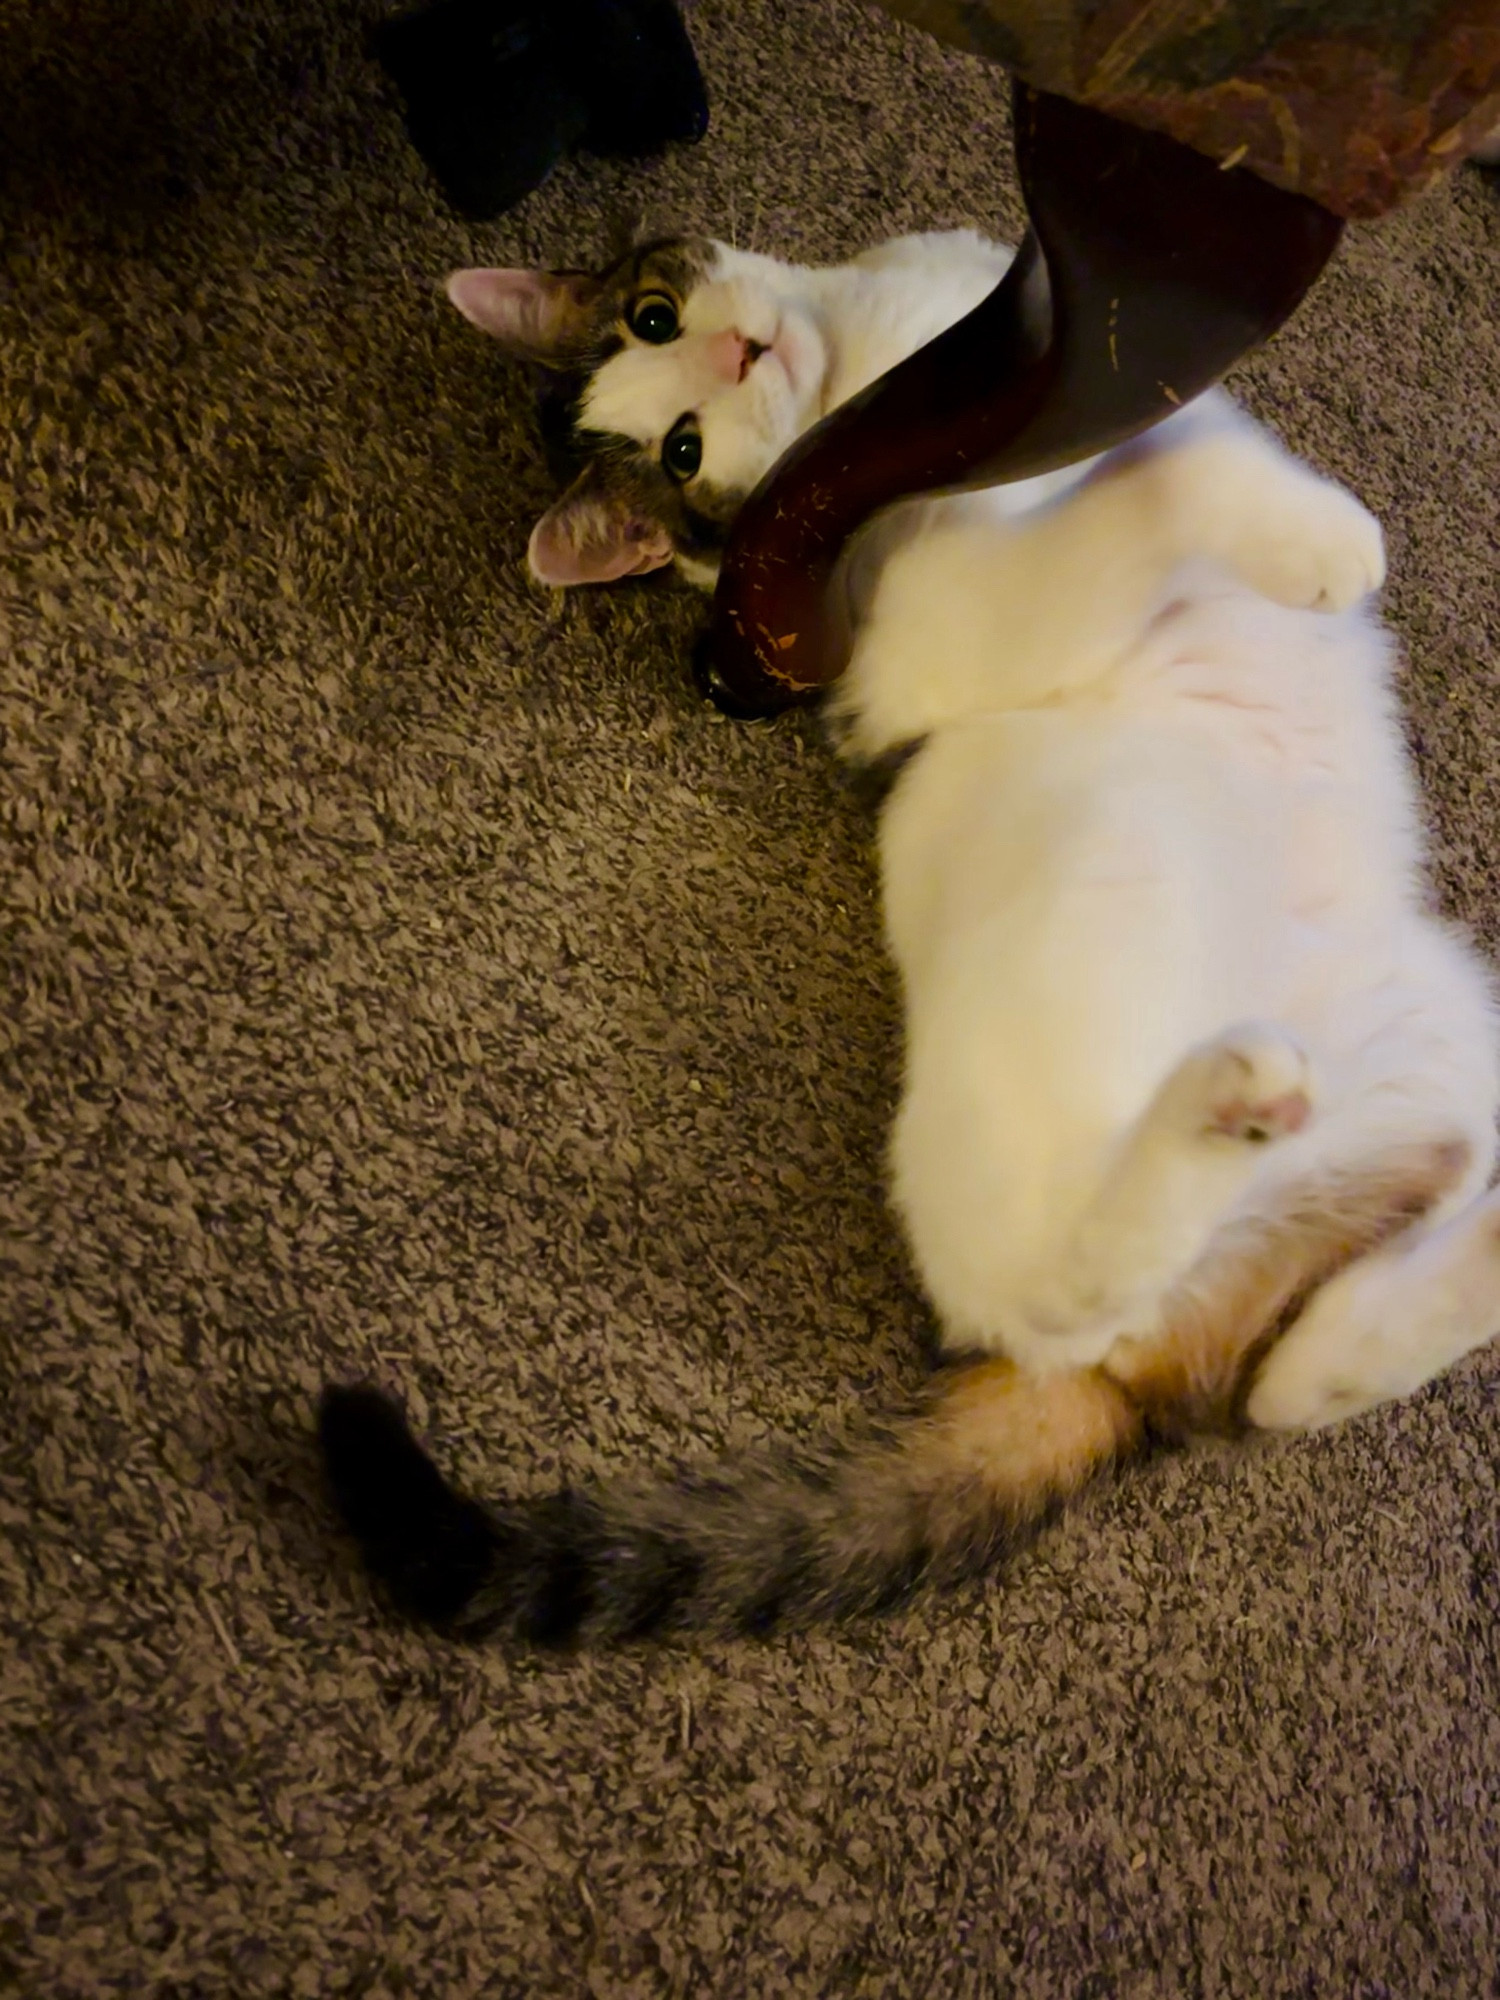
(1220, 1322)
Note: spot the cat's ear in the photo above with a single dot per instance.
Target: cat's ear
(595, 535)
(536, 314)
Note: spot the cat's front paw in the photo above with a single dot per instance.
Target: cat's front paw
(1318, 551)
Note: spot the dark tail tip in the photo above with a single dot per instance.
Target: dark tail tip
(426, 1543)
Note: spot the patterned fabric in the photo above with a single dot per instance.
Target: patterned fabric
(1357, 103)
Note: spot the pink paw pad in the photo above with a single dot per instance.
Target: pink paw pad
(1269, 1118)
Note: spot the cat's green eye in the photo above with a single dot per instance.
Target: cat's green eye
(654, 319)
(682, 450)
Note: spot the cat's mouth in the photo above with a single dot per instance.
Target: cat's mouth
(789, 348)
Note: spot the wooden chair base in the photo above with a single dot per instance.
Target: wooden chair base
(1147, 272)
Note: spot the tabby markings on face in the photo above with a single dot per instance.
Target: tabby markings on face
(673, 387)
(639, 408)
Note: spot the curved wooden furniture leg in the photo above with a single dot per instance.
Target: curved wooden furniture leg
(1147, 272)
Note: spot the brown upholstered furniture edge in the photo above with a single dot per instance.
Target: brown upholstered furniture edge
(1358, 103)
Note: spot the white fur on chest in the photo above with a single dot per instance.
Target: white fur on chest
(897, 298)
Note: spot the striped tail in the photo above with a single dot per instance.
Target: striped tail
(952, 1487)
(958, 1483)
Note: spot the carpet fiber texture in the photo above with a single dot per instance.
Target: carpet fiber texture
(405, 974)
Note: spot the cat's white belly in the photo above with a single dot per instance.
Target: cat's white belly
(1076, 897)
(1152, 882)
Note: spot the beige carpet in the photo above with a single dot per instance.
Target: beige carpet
(404, 973)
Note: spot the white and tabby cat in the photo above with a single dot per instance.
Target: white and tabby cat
(1200, 1097)
(682, 373)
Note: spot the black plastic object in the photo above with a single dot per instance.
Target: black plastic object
(496, 91)
(1147, 272)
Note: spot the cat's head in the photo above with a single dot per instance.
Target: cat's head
(678, 377)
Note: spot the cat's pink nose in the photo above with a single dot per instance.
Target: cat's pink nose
(730, 355)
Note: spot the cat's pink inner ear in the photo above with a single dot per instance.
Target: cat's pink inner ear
(532, 312)
(589, 537)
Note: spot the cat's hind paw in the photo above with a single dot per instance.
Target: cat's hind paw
(1295, 1396)
(1253, 1083)
(1385, 1326)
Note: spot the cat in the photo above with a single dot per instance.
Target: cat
(1199, 1104)
(682, 372)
